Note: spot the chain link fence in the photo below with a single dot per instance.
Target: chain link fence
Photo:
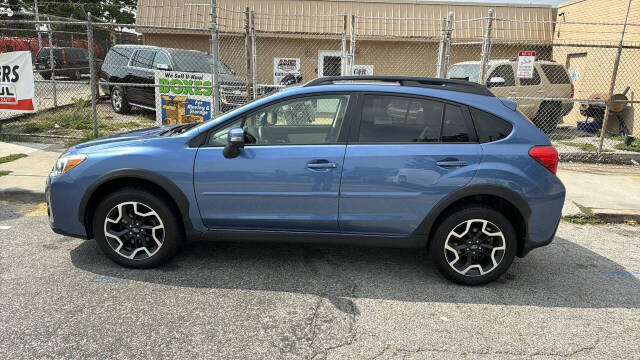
(579, 90)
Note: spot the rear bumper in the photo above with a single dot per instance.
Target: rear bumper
(530, 245)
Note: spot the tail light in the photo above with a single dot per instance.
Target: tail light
(546, 155)
(573, 90)
(64, 57)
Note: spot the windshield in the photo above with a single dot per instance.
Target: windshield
(195, 61)
(469, 72)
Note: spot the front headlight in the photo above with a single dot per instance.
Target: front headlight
(66, 163)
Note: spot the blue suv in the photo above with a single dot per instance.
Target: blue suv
(384, 161)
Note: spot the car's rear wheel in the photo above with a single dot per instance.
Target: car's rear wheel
(136, 228)
(119, 101)
(76, 75)
(473, 245)
(548, 117)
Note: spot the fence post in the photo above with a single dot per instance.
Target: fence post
(215, 86)
(612, 85)
(447, 51)
(92, 73)
(35, 5)
(247, 55)
(343, 48)
(52, 66)
(441, 49)
(352, 45)
(254, 62)
(486, 48)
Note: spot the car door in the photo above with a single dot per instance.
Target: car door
(405, 155)
(287, 177)
(140, 71)
(530, 88)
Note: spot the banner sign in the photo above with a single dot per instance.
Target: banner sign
(526, 60)
(16, 82)
(283, 67)
(178, 100)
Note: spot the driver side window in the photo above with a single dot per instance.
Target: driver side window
(300, 121)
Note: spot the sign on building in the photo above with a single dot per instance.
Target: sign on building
(283, 67)
(363, 70)
(179, 99)
(16, 82)
(526, 60)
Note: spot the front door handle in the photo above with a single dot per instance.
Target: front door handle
(451, 163)
(321, 165)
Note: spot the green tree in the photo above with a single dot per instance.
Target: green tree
(120, 11)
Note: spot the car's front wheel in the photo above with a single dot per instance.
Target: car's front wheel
(119, 101)
(473, 245)
(136, 228)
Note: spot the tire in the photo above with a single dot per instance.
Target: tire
(548, 117)
(76, 75)
(46, 75)
(124, 239)
(119, 101)
(486, 220)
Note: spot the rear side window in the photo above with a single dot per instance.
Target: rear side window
(456, 128)
(535, 80)
(143, 59)
(505, 72)
(396, 119)
(118, 56)
(556, 74)
(490, 127)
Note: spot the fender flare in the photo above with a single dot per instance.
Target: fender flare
(178, 197)
(424, 229)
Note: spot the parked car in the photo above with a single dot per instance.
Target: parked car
(459, 172)
(550, 81)
(68, 61)
(129, 64)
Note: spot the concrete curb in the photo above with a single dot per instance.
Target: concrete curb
(22, 196)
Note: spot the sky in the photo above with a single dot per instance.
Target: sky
(551, 2)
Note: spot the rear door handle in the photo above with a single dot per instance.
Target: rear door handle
(451, 163)
(321, 165)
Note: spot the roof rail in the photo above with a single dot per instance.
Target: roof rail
(432, 83)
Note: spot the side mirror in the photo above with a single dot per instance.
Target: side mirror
(235, 142)
(162, 66)
(495, 81)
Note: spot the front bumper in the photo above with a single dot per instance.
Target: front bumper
(63, 201)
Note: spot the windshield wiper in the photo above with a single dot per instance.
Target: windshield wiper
(178, 129)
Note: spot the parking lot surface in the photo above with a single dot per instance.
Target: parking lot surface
(61, 298)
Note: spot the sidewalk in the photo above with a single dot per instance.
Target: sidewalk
(606, 191)
(28, 175)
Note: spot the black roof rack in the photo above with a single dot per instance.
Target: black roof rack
(432, 83)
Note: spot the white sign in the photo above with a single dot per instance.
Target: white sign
(180, 99)
(283, 67)
(363, 70)
(526, 60)
(16, 82)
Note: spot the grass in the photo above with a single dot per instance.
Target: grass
(78, 118)
(635, 145)
(585, 220)
(12, 157)
(584, 146)
(4, 172)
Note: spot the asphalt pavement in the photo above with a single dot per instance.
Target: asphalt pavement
(61, 298)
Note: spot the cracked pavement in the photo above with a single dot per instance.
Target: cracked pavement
(61, 298)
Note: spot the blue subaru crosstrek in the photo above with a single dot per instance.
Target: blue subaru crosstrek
(384, 161)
